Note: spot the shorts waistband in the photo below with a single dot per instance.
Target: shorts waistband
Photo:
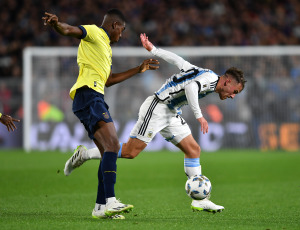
(86, 89)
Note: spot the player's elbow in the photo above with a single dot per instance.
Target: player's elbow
(109, 83)
(131, 156)
(66, 32)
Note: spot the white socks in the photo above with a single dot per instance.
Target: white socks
(192, 167)
(99, 207)
(92, 154)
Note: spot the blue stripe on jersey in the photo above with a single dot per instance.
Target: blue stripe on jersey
(191, 162)
(184, 78)
(177, 101)
(180, 100)
(169, 85)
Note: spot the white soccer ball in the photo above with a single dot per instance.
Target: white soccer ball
(198, 187)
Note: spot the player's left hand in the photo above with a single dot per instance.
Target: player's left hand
(204, 125)
(145, 42)
(8, 121)
(148, 64)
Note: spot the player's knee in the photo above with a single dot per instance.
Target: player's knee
(128, 155)
(132, 148)
(112, 146)
(131, 156)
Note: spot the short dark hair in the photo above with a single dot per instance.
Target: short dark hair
(237, 74)
(117, 13)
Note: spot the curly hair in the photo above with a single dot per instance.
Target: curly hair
(237, 74)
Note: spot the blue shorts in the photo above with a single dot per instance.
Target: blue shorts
(89, 106)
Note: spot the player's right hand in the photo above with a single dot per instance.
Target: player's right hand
(50, 19)
(8, 121)
(146, 43)
(147, 64)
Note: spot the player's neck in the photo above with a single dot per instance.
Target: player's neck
(218, 86)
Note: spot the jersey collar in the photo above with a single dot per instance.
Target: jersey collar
(217, 82)
(105, 32)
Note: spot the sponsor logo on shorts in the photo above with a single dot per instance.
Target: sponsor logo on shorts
(150, 133)
(105, 115)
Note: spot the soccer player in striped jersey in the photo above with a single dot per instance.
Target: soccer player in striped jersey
(94, 59)
(161, 113)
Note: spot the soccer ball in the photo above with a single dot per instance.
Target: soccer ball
(198, 187)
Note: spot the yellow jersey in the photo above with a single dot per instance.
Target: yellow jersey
(94, 59)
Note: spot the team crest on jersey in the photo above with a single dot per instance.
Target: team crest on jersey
(105, 115)
(150, 133)
(95, 83)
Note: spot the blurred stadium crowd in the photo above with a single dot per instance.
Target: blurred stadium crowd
(167, 22)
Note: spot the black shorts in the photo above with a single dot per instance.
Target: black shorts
(89, 106)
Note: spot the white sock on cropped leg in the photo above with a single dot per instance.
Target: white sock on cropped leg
(192, 167)
(93, 153)
(99, 207)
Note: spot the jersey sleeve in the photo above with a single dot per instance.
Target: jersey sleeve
(191, 92)
(172, 58)
(87, 32)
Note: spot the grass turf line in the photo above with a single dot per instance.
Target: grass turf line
(259, 190)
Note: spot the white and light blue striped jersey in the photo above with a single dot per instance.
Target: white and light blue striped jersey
(173, 91)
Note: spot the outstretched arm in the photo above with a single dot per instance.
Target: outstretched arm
(8, 121)
(60, 27)
(191, 92)
(115, 78)
(168, 56)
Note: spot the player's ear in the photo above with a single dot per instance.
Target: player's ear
(224, 80)
(227, 81)
(114, 25)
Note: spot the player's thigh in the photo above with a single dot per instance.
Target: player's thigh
(153, 117)
(106, 135)
(179, 133)
(177, 130)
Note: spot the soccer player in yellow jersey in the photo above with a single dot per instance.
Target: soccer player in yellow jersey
(8, 121)
(95, 72)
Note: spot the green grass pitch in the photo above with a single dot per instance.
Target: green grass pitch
(259, 190)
